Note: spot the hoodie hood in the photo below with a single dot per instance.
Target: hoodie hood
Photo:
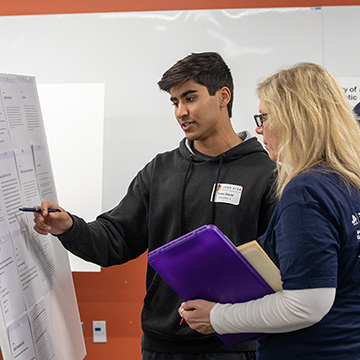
(249, 145)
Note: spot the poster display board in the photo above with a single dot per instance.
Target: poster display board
(351, 87)
(39, 318)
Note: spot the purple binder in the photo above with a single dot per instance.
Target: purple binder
(204, 264)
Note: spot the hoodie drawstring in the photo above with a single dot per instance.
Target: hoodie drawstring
(183, 193)
(215, 189)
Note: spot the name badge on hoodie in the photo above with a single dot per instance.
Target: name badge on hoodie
(227, 193)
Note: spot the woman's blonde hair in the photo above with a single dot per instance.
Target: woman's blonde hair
(309, 111)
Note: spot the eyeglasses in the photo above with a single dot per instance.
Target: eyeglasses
(259, 119)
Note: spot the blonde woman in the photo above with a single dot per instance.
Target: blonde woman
(308, 127)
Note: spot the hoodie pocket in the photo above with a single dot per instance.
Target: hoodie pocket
(160, 312)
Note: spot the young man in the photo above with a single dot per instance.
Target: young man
(175, 193)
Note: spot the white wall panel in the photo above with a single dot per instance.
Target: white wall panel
(128, 52)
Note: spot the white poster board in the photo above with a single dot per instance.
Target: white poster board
(39, 317)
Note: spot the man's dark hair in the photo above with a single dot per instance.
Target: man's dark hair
(208, 69)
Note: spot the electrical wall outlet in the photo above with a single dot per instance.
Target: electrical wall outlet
(99, 331)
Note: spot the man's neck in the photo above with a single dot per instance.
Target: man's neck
(217, 146)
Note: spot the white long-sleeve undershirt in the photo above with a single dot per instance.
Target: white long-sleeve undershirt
(284, 311)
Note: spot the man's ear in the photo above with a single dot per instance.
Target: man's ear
(224, 96)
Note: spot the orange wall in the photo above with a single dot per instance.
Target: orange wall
(26, 7)
(115, 294)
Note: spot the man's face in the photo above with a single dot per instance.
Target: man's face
(196, 111)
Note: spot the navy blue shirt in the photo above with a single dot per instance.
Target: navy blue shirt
(314, 238)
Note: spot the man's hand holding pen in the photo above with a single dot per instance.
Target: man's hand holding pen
(197, 315)
(53, 222)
